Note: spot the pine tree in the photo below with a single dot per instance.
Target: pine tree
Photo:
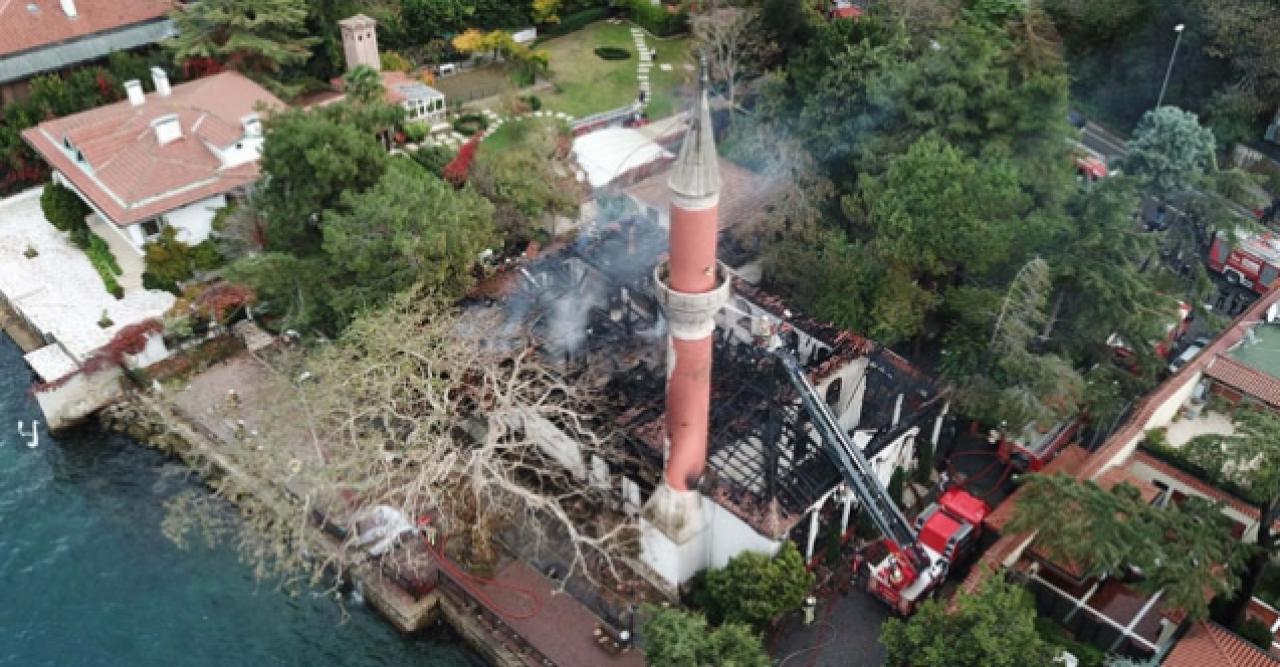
(261, 38)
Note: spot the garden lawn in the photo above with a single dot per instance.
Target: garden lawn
(588, 84)
(513, 132)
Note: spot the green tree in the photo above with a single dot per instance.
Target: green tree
(1243, 32)
(676, 638)
(294, 293)
(1099, 284)
(754, 589)
(309, 160)
(1182, 550)
(993, 627)
(411, 228)
(1097, 21)
(363, 85)
(935, 216)
(63, 208)
(262, 38)
(527, 180)
(1170, 149)
(168, 261)
(1250, 458)
(1016, 382)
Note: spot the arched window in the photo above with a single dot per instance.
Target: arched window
(833, 393)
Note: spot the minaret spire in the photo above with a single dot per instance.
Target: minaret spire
(692, 288)
(695, 174)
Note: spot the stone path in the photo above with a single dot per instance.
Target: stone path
(453, 139)
(645, 64)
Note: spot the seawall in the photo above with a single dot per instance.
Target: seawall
(149, 421)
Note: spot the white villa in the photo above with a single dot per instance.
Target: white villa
(168, 159)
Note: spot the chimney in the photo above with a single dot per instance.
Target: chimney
(69, 8)
(167, 128)
(161, 81)
(360, 42)
(252, 125)
(133, 88)
(692, 288)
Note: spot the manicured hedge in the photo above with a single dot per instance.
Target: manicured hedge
(470, 124)
(657, 20)
(612, 53)
(575, 21)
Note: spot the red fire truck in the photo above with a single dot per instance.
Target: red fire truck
(1090, 168)
(1173, 331)
(1033, 449)
(1251, 260)
(919, 555)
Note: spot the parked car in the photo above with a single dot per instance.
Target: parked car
(1190, 352)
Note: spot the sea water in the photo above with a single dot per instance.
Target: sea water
(87, 578)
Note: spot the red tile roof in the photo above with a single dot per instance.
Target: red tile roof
(23, 30)
(1116, 476)
(1249, 380)
(1133, 428)
(1107, 455)
(1200, 486)
(744, 195)
(134, 177)
(1209, 644)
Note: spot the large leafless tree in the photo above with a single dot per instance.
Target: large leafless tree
(726, 34)
(431, 414)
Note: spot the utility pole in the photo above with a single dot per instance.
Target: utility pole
(1168, 71)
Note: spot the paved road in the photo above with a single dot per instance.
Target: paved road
(1102, 142)
(846, 634)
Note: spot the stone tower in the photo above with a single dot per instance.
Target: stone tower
(360, 42)
(692, 287)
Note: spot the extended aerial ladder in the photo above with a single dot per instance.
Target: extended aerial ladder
(919, 554)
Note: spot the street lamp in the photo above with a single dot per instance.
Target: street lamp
(1178, 29)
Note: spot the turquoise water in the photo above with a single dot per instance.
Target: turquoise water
(87, 578)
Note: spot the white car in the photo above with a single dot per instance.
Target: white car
(1191, 351)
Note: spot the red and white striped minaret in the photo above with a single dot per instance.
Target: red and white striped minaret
(692, 287)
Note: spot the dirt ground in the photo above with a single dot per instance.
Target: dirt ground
(263, 399)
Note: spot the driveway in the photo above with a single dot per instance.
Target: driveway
(846, 633)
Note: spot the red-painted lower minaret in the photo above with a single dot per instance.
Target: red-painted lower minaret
(692, 287)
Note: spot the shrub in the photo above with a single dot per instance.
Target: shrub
(469, 124)
(205, 256)
(169, 262)
(99, 254)
(433, 158)
(1257, 632)
(753, 588)
(394, 62)
(656, 19)
(457, 171)
(415, 132)
(534, 102)
(612, 53)
(63, 208)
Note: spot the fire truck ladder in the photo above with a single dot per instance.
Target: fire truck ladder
(853, 465)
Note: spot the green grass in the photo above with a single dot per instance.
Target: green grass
(514, 132)
(588, 84)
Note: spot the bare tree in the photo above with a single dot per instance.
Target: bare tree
(417, 414)
(725, 34)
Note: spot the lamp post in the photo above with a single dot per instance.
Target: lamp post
(1178, 29)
